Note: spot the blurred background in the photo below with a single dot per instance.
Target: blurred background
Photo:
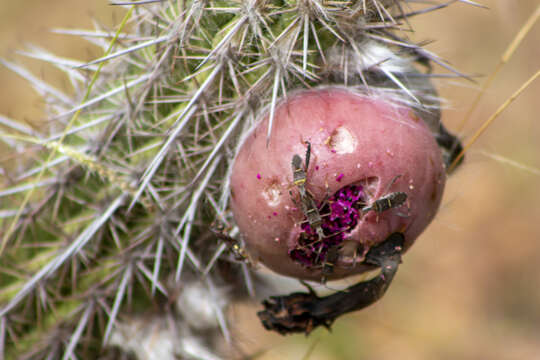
(470, 287)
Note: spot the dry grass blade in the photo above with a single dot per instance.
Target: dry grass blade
(311, 349)
(514, 44)
(513, 163)
(488, 122)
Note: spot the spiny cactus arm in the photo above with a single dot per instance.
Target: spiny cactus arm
(182, 120)
(39, 339)
(112, 176)
(28, 195)
(64, 256)
(189, 216)
(218, 147)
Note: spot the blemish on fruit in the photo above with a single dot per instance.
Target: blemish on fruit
(258, 176)
(339, 177)
(341, 141)
(272, 194)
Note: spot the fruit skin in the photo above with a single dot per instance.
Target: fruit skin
(355, 139)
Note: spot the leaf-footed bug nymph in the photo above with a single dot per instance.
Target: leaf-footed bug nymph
(389, 201)
(307, 203)
(233, 246)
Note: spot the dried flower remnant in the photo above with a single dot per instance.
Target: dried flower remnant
(303, 312)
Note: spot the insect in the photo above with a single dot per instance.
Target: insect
(388, 201)
(313, 216)
(300, 172)
(307, 203)
(328, 265)
(239, 252)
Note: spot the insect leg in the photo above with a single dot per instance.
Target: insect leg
(308, 155)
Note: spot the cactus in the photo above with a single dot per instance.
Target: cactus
(106, 217)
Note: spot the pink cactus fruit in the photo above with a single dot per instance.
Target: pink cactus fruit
(363, 148)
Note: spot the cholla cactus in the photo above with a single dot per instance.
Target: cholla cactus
(106, 216)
